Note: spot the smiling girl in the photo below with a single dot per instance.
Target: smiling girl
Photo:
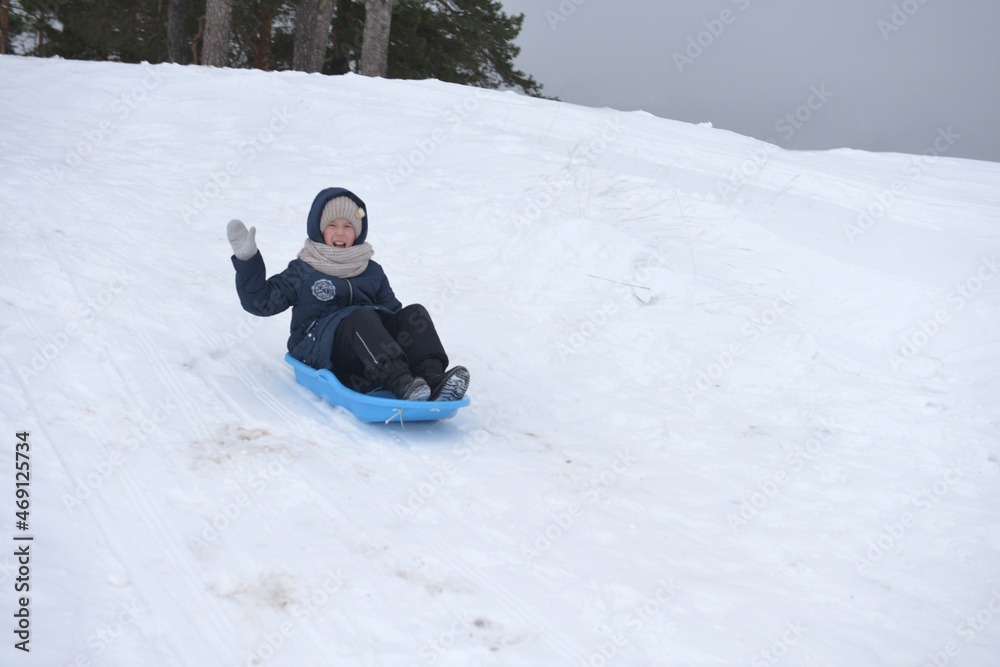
(345, 316)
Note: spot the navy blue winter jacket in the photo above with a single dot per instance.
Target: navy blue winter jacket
(319, 302)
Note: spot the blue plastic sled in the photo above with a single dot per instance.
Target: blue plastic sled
(368, 407)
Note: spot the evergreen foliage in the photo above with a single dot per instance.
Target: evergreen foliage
(469, 42)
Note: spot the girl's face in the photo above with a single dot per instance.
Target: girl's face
(339, 234)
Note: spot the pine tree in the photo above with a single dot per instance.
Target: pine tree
(29, 26)
(260, 30)
(312, 28)
(375, 44)
(459, 41)
(218, 23)
(469, 42)
(4, 26)
(130, 32)
(177, 43)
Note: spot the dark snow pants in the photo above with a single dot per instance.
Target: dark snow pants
(372, 347)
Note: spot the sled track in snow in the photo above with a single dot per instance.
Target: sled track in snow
(272, 527)
(213, 624)
(305, 428)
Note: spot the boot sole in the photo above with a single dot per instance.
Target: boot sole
(454, 385)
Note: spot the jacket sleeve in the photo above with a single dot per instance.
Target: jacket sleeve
(260, 295)
(385, 298)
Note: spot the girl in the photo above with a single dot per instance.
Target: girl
(345, 317)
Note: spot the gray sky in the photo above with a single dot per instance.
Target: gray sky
(881, 75)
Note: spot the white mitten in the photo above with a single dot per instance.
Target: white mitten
(244, 246)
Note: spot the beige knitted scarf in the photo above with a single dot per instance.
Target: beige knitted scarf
(336, 262)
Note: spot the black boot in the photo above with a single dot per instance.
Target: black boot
(453, 386)
(393, 375)
(408, 388)
(431, 370)
(450, 386)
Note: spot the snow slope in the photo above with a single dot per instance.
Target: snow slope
(732, 405)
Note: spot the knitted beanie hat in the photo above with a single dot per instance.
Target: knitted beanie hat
(341, 207)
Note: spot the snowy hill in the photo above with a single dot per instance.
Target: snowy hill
(730, 404)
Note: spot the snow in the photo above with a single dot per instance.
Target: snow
(731, 404)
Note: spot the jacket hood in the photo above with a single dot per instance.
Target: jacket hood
(312, 223)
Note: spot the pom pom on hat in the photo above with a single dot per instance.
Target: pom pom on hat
(341, 207)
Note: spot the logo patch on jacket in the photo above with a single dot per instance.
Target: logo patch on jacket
(324, 289)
